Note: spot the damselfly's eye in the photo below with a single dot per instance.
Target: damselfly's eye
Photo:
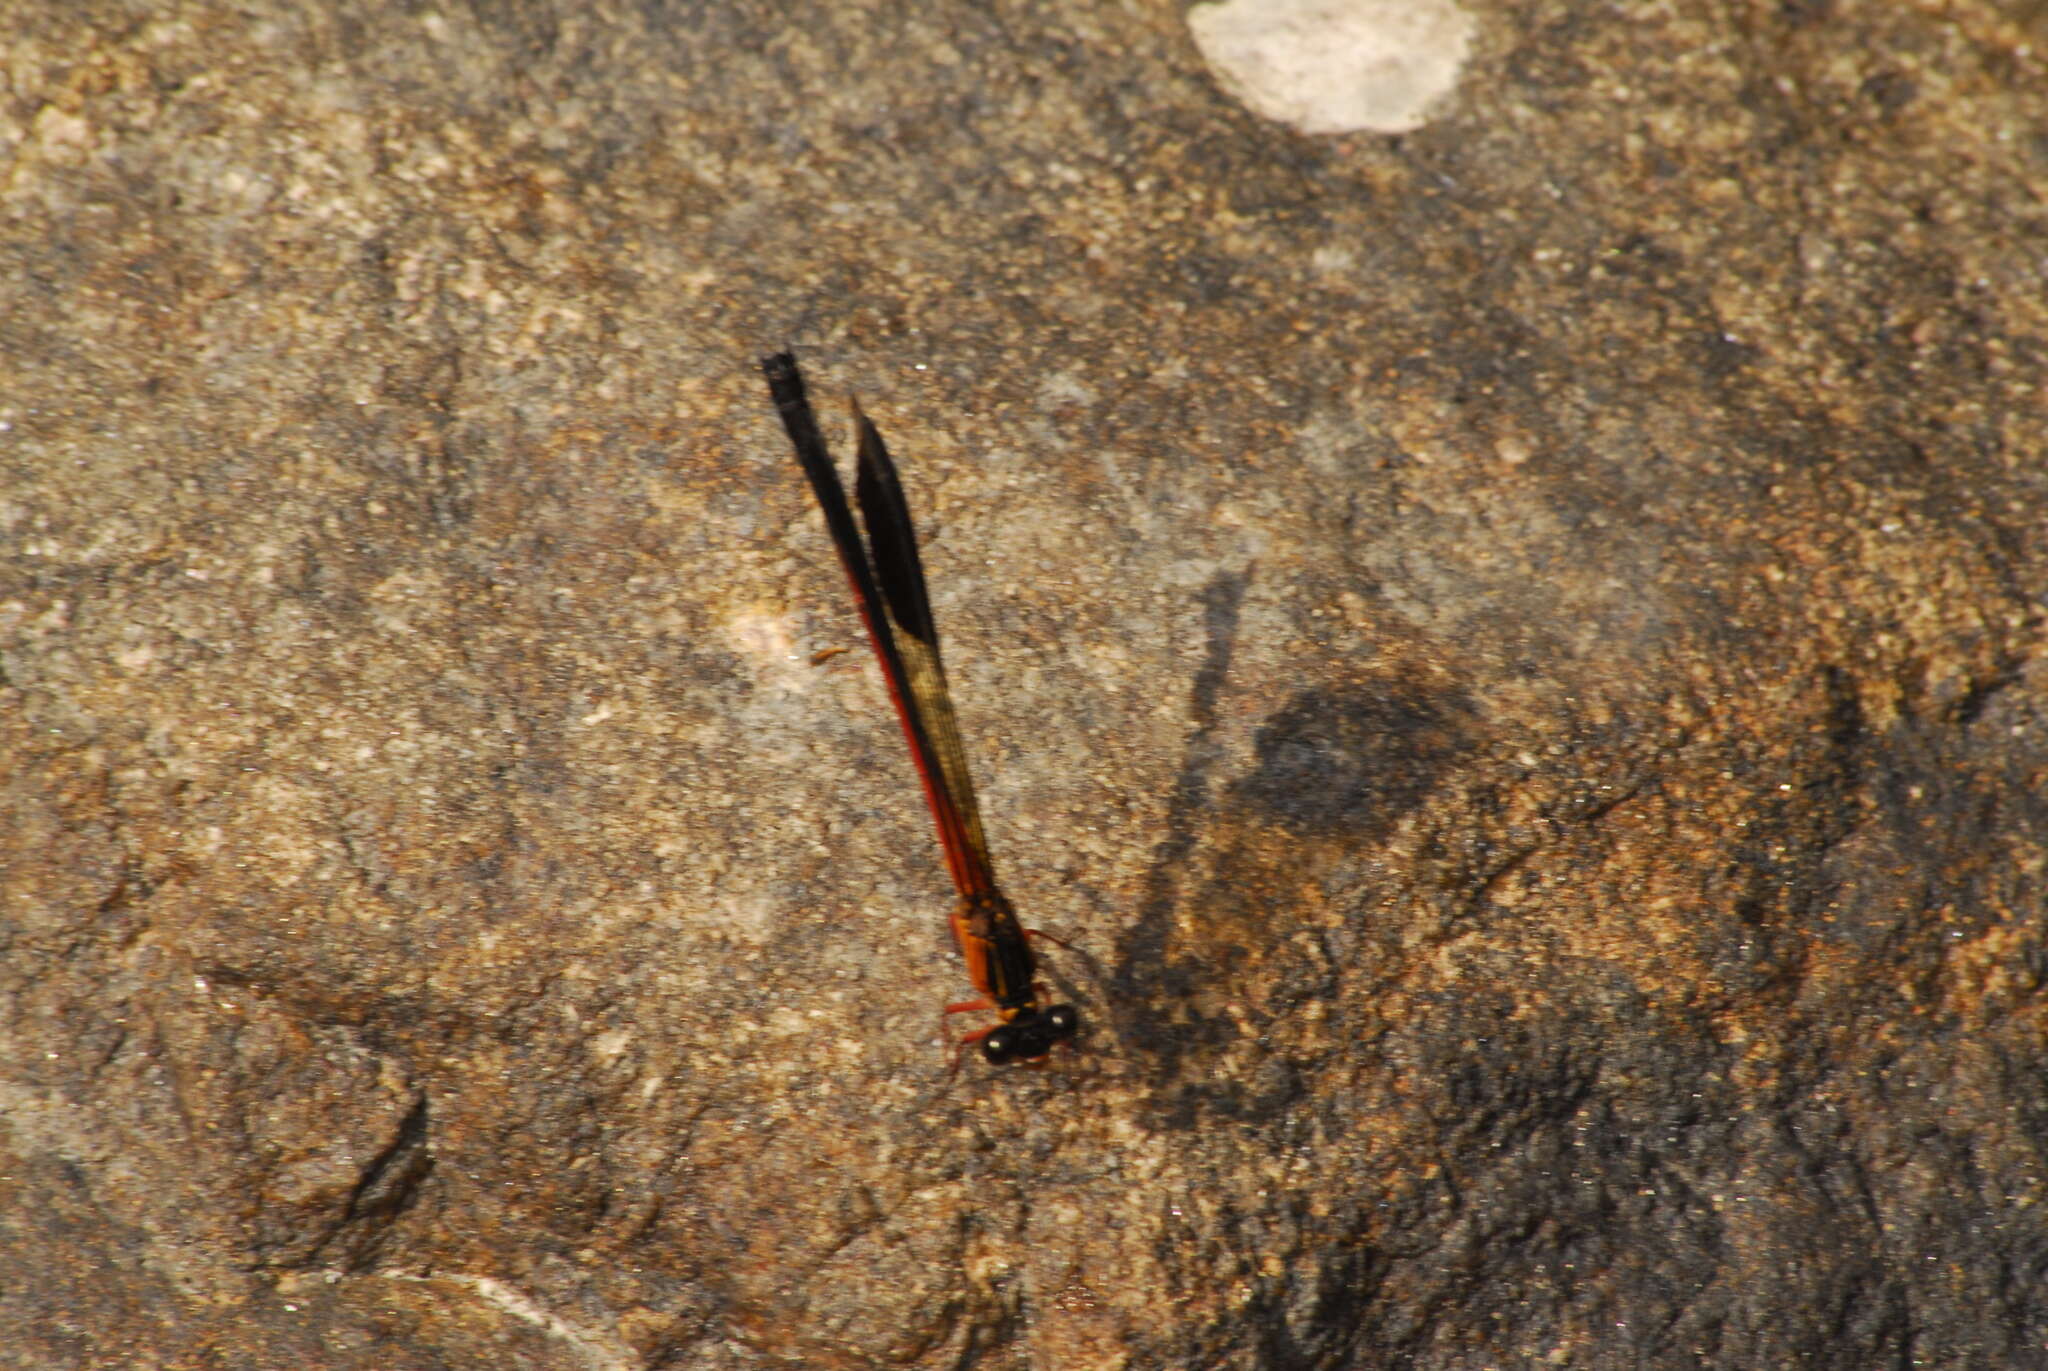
(1061, 1021)
(1001, 1046)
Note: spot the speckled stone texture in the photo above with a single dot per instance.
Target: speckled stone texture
(1514, 653)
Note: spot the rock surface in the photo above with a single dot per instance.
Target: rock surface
(1514, 653)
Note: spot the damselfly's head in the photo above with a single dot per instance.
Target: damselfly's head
(1031, 1034)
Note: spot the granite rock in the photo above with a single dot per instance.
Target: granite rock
(1514, 653)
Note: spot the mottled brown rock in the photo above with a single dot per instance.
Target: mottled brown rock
(1515, 654)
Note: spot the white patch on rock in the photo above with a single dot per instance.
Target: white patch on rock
(1335, 66)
